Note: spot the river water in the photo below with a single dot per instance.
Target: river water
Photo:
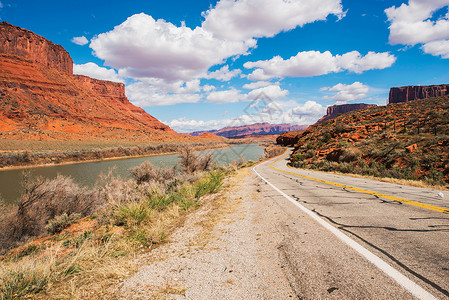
(86, 174)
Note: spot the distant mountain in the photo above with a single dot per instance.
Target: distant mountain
(254, 129)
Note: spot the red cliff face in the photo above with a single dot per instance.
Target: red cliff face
(30, 46)
(334, 110)
(40, 98)
(410, 93)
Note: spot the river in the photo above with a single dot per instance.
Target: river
(86, 174)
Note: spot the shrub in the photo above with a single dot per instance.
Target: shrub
(146, 172)
(61, 222)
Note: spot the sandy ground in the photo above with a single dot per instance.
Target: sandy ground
(225, 250)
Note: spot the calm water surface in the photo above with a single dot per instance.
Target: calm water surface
(86, 174)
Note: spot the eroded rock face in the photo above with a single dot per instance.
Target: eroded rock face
(334, 110)
(35, 48)
(410, 93)
(40, 98)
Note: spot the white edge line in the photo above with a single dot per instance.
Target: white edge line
(406, 283)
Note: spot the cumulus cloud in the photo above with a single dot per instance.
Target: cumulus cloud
(314, 63)
(413, 23)
(93, 70)
(308, 113)
(142, 47)
(228, 96)
(437, 48)
(255, 85)
(144, 94)
(271, 92)
(347, 92)
(245, 19)
(223, 74)
(80, 40)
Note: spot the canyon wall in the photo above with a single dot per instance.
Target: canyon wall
(334, 110)
(410, 93)
(41, 99)
(26, 44)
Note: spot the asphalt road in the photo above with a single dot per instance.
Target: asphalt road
(378, 240)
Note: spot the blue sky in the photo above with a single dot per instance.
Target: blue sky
(198, 65)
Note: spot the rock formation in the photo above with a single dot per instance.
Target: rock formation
(254, 129)
(30, 46)
(334, 110)
(410, 93)
(40, 98)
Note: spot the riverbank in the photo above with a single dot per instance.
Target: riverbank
(18, 160)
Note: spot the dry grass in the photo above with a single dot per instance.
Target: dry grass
(130, 216)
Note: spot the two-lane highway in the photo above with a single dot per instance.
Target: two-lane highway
(368, 238)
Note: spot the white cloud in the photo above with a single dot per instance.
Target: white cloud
(308, 113)
(185, 125)
(143, 94)
(97, 72)
(314, 63)
(208, 88)
(228, 96)
(272, 92)
(142, 47)
(1, 4)
(245, 19)
(412, 24)
(223, 74)
(347, 92)
(255, 85)
(80, 40)
(437, 48)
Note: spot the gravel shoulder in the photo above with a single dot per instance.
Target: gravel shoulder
(225, 250)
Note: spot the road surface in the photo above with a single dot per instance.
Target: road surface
(378, 240)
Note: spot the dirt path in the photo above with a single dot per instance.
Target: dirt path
(226, 250)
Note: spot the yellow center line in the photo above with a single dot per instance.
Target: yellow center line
(415, 203)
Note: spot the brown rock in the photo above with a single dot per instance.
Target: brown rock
(334, 110)
(410, 93)
(411, 148)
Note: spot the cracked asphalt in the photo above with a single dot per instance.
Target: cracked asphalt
(412, 239)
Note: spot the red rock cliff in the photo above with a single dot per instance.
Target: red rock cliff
(28, 45)
(334, 110)
(40, 98)
(410, 93)
(103, 88)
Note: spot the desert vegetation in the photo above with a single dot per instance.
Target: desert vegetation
(27, 158)
(65, 233)
(403, 141)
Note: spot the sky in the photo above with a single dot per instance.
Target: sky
(202, 65)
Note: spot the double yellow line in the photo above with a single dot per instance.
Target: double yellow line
(419, 204)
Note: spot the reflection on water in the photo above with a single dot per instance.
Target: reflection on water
(86, 174)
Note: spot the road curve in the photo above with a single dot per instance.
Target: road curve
(383, 240)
